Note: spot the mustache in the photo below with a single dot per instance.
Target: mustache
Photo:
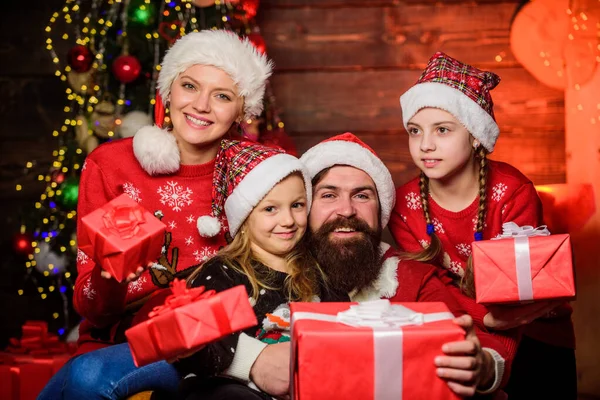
(357, 225)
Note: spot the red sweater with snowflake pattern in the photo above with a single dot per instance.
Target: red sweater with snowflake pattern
(178, 199)
(510, 197)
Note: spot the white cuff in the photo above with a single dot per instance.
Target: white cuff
(498, 370)
(246, 353)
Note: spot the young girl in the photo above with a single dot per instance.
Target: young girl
(266, 196)
(462, 196)
(210, 81)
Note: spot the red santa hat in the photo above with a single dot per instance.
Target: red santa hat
(347, 149)
(154, 147)
(245, 172)
(461, 90)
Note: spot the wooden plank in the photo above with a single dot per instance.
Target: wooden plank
(368, 101)
(404, 36)
(540, 157)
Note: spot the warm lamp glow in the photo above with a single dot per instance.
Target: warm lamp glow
(567, 207)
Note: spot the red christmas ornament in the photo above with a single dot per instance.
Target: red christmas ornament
(250, 7)
(257, 40)
(80, 58)
(22, 243)
(126, 68)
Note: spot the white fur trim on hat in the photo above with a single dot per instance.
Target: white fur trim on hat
(247, 67)
(340, 152)
(438, 95)
(258, 183)
(156, 150)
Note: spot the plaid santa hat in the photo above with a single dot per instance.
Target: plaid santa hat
(347, 149)
(154, 147)
(245, 172)
(461, 90)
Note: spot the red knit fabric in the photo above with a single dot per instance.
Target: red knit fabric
(510, 197)
(182, 197)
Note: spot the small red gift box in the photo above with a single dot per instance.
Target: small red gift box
(189, 319)
(523, 268)
(373, 350)
(121, 236)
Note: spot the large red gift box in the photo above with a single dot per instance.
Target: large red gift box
(523, 268)
(387, 351)
(27, 364)
(121, 236)
(189, 319)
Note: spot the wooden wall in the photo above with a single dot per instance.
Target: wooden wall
(341, 65)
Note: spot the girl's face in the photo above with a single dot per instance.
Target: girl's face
(203, 104)
(439, 144)
(279, 221)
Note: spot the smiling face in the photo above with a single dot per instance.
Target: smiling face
(279, 221)
(439, 144)
(203, 104)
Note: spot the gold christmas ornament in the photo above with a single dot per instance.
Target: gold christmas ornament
(84, 136)
(81, 82)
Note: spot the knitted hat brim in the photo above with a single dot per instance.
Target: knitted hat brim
(478, 122)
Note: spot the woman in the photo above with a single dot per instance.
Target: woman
(210, 81)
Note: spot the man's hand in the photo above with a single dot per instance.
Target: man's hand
(271, 370)
(507, 317)
(465, 366)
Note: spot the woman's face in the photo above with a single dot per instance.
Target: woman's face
(203, 104)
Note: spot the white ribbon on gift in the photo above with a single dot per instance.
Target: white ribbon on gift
(386, 320)
(521, 235)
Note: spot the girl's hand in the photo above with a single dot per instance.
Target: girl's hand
(131, 277)
(511, 316)
(465, 366)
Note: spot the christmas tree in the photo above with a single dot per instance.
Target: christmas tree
(108, 53)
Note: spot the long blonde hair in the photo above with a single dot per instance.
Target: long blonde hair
(435, 248)
(302, 282)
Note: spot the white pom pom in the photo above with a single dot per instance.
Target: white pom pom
(132, 122)
(156, 150)
(208, 226)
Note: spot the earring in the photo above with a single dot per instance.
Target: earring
(476, 144)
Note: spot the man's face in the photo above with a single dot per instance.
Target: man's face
(344, 192)
(345, 232)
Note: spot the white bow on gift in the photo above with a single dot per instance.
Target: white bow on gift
(512, 230)
(521, 235)
(383, 314)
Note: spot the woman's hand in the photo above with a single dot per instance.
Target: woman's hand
(131, 277)
(502, 317)
(465, 366)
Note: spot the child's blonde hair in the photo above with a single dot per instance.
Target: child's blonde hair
(435, 248)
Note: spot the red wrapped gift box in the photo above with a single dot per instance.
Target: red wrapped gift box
(189, 319)
(391, 359)
(523, 269)
(29, 363)
(121, 236)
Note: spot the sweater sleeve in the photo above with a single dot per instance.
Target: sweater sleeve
(401, 232)
(99, 300)
(524, 207)
(215, 357)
